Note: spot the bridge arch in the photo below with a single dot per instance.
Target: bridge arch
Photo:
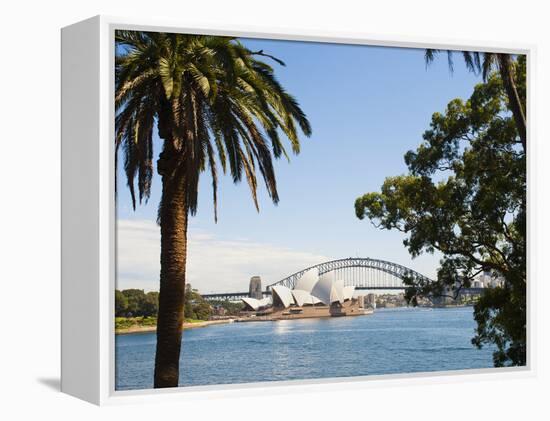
(365, 277)
(365, 266)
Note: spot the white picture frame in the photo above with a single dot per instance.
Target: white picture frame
(88, 213)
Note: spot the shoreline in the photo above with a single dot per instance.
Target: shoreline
(136, 329)
(148, 329)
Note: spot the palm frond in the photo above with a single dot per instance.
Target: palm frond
(489, 60)
(429, 55)
(475, 61)
(213, 101)
(261, 53)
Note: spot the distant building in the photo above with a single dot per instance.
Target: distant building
(488, 279)
(218, 310)
(312, 296)
(370, 300)
(255, 288)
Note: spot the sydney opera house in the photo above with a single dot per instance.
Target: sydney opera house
(312, 296)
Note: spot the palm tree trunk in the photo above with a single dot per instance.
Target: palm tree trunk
(506, 73)
(173, 255)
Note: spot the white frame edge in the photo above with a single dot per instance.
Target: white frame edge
(80, 242)
(88, 213)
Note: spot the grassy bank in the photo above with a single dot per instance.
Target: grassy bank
(149, 324)
(122, 323)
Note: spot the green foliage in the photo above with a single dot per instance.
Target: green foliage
(189, 320)
(136, 303)
(195, 306)
(512, 74)
(121, 302)
(150, 304)
(122, 323)
(465, 196)
(232, 308)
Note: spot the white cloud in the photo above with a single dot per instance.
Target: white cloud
(213, 265)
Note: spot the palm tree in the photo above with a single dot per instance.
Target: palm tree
(483, 63)
(213, 103)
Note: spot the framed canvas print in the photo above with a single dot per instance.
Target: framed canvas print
(269, 209)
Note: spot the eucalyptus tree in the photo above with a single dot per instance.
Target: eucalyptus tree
(465, 196)
(505, 64)
(215, 103)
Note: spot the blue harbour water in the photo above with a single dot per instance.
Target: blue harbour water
(401, 340)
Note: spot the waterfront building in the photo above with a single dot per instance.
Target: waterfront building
(282, 296)
(302, 298)
(488, 279)
(307, 281)
(349, 290)
(313, 296)
(253, 304)
(370, 300)
(218, 310)
(328, 289)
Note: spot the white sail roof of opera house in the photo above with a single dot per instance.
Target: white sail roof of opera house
(303, 297)
(348, 292)
(308, 280)
(255, 303)
(328, 290)
(310, 289)
(284, 294)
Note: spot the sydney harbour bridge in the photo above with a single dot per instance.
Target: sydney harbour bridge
(362, 272)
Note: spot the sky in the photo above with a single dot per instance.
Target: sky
(367, 106)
